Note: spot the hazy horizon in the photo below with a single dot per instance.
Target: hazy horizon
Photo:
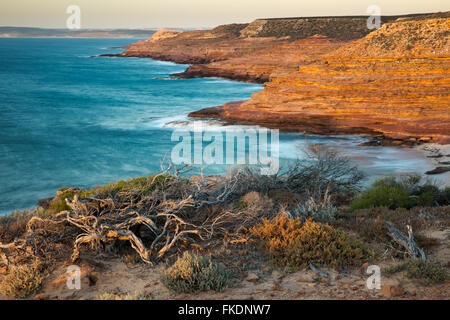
(142, 14)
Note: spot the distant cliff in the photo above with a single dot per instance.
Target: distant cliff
(22, 32)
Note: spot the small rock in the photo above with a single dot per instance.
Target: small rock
(3, 269)
(306, 277)
(363, 268)
(252, 277)
(41, 297)
(438, 170)
(277, 275)
(392, 291)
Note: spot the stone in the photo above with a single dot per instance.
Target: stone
(392, 291)
(363, 268)
(306, 277)
(252, 277)
(438, 170)
(277, 275)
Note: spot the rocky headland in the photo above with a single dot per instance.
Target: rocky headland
(326, 75)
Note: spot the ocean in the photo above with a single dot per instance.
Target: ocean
(68, 119)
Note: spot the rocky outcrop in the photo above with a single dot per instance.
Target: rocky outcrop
(163, 34)
(360, 89)
(394, 82)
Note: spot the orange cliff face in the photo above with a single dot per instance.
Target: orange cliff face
(395, 81)
(367, 86)
(225, 54)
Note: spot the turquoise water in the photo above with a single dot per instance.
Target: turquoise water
(68, 119)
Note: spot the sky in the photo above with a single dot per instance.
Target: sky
(192, 13)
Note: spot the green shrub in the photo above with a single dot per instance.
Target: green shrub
(22, 281)
(430, 195)
(294, 244)
(383, 196)
(427, 272)
(386, 182)
(394, 269)
(141, 185)
(191, 273)
(58, 205)
(405, 191)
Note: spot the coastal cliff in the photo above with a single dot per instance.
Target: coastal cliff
(392, 82)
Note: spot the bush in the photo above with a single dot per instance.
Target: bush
(140, 185)
(405, 191)
(126, 296)
(191, 274)
(22, 281)
(428, 272)
(294, 244)
(57, 205)
(318, 208)
(383, 196)
(14, 225)
(324, 169)
(430, 195)
(256, 204)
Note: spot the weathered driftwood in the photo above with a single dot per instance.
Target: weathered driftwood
(111, 224)
(319, 272)
(406, 241)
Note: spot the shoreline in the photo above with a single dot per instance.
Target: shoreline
(308, 84)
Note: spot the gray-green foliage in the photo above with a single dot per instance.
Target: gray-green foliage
(192, 273)
(425, 271)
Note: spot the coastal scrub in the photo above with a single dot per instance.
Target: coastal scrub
(192, 273)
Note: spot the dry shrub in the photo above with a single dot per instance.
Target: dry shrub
(124, 296)
(12, 227)
(294, 244)
(256, 204)
(324, 170)
(426, 272)
(23, 281)
(363, 220)
(318, 207)
(192, 273)
(283, 197)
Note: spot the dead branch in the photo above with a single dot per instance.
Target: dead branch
(406, 241)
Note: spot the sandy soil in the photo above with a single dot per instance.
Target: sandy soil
(259, 281)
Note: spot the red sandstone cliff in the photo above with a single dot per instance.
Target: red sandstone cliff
(394, 81)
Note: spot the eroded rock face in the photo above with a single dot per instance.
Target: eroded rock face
(402, 99)
(393, 82)
(353, 90)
